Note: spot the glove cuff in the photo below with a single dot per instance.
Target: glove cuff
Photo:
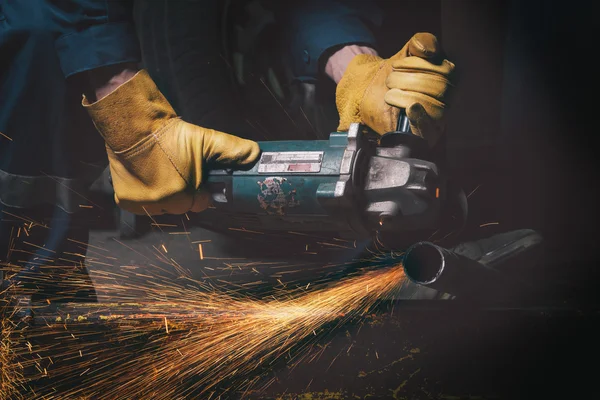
(131, 113)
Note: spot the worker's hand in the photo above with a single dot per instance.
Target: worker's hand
(417, 79)
(157, 159)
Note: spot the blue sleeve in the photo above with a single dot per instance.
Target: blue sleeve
(315, 27)
(95, 33)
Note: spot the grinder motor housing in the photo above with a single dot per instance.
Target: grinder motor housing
(356, 185)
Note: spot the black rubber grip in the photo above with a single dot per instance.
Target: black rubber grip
(403, 124)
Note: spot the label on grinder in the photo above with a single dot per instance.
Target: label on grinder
(290, 161)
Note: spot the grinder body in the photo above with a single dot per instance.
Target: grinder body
(355, 185)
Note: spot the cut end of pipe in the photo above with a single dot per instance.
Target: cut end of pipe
(423, 263)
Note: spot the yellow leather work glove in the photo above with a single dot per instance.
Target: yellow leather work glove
(417, 79)
(156, 159)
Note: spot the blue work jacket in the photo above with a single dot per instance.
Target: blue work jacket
(49, 150)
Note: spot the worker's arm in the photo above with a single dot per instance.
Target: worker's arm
(336, 37)
(323, 35)
(102, 81)
(336, 64)
(157, 161)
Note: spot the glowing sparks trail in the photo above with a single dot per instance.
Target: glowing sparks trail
(165, 335)
(11, 375)
(193, 338)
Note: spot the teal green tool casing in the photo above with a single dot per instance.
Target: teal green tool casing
(289, 186)
(352, 185)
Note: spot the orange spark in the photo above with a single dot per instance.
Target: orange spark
(7, 137)
(489, 223)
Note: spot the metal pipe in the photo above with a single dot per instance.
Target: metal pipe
(428, 264)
